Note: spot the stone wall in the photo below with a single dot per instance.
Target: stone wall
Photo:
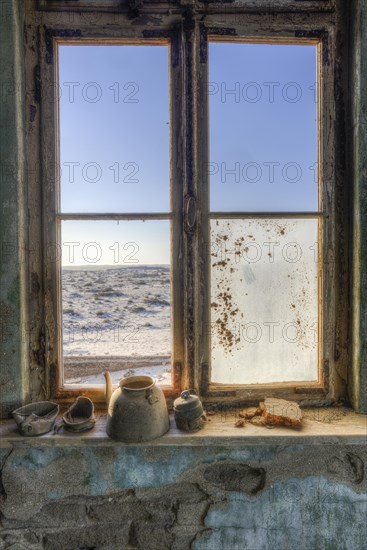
(182, 497)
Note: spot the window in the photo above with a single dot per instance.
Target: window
(269, 200)
(115, 211)
(221, 183)
(265, 219)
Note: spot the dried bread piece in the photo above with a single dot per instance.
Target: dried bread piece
(281, 412)
(258, 421)
(252, 411)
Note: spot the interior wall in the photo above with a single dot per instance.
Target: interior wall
(13, 201)
(358, 148)
(184, 497)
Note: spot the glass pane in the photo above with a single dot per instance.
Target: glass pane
(114, 128)
(264, 300)
(116, 300)
(263, 128)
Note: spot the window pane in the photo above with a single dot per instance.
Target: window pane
(116, 299)
(114, 128)
(263, 128)
(264, 300)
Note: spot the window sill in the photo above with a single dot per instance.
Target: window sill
(332, 425)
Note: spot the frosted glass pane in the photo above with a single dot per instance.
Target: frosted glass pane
(114, 128)
(263, 127)
(116, 296)
(264, 300)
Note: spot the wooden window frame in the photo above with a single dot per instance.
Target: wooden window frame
(299, 391)
(188, 29)
(51, 195)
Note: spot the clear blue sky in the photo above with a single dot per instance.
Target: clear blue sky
(265, 131)
(114, 137)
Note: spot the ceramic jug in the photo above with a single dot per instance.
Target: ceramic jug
(137, 409)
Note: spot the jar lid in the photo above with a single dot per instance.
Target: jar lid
(187, 401)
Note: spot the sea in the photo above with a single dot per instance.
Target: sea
(116, 311)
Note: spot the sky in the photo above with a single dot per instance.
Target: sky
(262, 127)
(114, 141)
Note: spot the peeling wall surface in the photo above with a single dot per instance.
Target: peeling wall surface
(12, 216)
(178, 497)
(359, 132)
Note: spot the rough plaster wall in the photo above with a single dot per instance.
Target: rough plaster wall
(257, 497)
(13, 378)
(358, 134)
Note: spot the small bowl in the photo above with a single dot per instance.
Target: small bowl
(36, 418)
(80, 416)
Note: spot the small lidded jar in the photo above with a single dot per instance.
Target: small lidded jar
(188, 411)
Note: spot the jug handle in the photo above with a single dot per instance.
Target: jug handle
(150, 396)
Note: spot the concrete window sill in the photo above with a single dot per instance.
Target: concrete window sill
(322, 425)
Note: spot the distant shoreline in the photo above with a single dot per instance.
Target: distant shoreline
(79, 366)
(96, 267)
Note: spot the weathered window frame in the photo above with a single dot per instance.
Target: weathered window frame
(189, 28)
(173, 216)
(325, 107)
(51, 192)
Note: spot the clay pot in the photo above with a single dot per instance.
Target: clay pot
(188, 412)
(137, 409)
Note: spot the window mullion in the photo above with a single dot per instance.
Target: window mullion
(177, 170)
(194, 205)
(203, 236)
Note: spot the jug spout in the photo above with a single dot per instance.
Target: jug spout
(109, 387)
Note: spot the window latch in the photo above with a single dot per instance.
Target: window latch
(190, 213)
